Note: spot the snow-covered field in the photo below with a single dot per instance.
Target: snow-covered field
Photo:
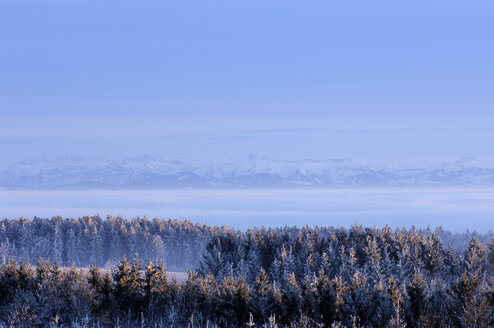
(456, 209)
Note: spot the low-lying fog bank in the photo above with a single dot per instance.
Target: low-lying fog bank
(453, 209)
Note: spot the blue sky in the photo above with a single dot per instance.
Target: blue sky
(380, 80)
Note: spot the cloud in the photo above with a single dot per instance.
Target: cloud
(455, 209)
(209, 137)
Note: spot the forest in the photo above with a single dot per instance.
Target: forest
(112, 272)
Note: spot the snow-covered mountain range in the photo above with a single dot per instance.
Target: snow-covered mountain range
(251, 172)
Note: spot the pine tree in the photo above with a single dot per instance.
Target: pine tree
(475, 257)
(266, 295)
(490, 257)
(433, 258)
(235, 298)
(291, 298)
(326, 300)
(5, 250)
(57, 245)
(417, 296)
(129, 286)
(155, 287)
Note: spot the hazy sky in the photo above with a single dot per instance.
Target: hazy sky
(379, 80)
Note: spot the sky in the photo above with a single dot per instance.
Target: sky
(387, 81)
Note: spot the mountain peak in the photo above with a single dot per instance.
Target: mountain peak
(78, 172)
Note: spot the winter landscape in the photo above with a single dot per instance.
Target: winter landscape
(255, 191)
(261, 163)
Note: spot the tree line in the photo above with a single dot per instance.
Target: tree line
(281, 277)
(104, 241)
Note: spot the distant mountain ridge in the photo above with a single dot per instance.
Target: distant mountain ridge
(145, 172)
